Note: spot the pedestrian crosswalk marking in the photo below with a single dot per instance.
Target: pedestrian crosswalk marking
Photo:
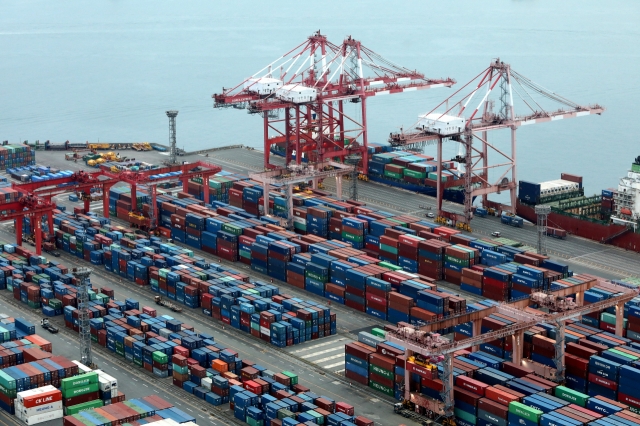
(323, 352)
(317, 346)
(329, 358)
(334, 365)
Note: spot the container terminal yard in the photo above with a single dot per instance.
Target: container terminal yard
(200, 295)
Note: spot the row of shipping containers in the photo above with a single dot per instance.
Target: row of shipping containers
(223, 293)
(411, 168)
(14, 156)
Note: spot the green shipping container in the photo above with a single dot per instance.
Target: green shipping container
(160, 357)
(390, 266)
(80, 390)
(292, 376)
(456, 261)
(414, 174)
(252, 422)
(96, 403)
(314, 276)
(525, 411)
(388, 249)
(381, 388)
(80, 380)
(392, 175)
(351, 237)
(620, 353)
(378, 332)
(381, 372)
(283, 413)
(572, 396)
(463, 415)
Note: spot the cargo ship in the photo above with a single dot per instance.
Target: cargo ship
(415, 172)
(611, 217)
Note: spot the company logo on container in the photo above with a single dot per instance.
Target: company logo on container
(44, 400)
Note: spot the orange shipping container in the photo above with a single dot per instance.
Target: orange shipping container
(219, 365)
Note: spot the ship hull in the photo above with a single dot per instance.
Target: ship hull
(583, 228)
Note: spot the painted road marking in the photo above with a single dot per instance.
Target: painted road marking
(329, 358)
(322, 352)
(315, 346)
(334, 365)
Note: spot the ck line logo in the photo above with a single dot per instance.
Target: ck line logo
(44, 400)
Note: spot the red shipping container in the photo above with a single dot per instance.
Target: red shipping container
(472, 385)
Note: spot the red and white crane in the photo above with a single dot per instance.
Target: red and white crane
(312, 84)
(455, 119)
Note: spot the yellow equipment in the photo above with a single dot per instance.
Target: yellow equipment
(143, 146)
(99, 146)
(320, 186)
(363, 177)
(422, 362)
(491, 211)
(136, 216)
(91, 163)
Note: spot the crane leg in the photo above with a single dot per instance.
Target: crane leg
(38, 232)
(619, 318)
(559, 352)
(87, 202)
(447, 385)
(18, 231)
(477, 330)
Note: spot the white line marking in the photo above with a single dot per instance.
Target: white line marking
(322, 352)
(145, 385)
(317, 346)
(334, 365)
(329, 358)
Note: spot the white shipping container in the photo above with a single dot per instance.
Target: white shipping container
(44, 417)
(104, 384)
(114, 382)
(206, 383)
(40, 409)
(441, 123)
(31, 393)
(265, 331)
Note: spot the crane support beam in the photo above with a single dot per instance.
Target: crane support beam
(525, 321)
(474, 317)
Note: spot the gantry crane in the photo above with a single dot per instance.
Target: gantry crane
(150, 178)
(313, 83)
(33, 207)
(417, 339)
(461, 124)
(293, 174)
(37, 202)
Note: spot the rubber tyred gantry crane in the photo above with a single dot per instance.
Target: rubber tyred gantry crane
(312, 83)
(150, 178)
(459, 122)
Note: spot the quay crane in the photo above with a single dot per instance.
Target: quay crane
(312, 84)
(451, 120)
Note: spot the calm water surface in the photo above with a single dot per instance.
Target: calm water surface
(108, 70)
